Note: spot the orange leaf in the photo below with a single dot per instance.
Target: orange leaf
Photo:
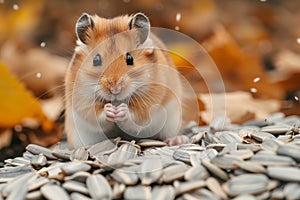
(17, 103)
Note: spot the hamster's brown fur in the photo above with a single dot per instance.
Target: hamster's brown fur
(90, 91)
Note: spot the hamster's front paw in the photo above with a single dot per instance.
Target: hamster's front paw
(116, 113)
(177, 140)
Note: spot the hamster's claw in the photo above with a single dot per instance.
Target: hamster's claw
(177, 140)
(110, 111)
(114, 114)
(122, 112)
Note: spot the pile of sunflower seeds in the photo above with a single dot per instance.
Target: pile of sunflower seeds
(257, 160)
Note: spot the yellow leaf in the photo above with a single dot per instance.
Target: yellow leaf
(17, 103)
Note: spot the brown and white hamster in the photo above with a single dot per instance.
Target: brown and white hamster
(121, 82)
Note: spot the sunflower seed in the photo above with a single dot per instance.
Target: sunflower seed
(165, 192)
(79, 154)
(196, 173)
(73, 167)
(272, 159)
(284, 173)
(18, 161)
(28, 155)
(218, 147)
(118, 190)
(289, 150)
(242, 154)
(18, 193)
(151, 171)
(214, 186)
(252, 147)
(174, 172)
(215, 170)
(262, 136)
(39, 160)
(98, 187)
(51, 191)
(102, 148)
(36, 149)
(263, 196)
(245, 197)
(197, 138)
(78, 196)
(182, 155)
(9, 173)
(292, 191)
(78, 176)
(37, 183)
(225, 161)
(183, 187)
(74, 186)
(251, 167)
(35, 195)
(246, 184)
(270, 145)
(151, 143)
(62, 154)
(125, 152)
(137, 192)
(285, 138)
(219, 123)
(125, 176)
(276, 129)
(54, 171)
(18, 182)
(227, 137)
(207, 154)
(204, 194)
(277, 194)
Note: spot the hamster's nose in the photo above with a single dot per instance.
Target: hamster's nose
(115, 89)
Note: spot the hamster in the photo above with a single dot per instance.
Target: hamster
(121, 82)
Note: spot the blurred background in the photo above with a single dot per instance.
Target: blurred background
(255, 45)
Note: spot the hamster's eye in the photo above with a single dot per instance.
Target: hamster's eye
(97, 60)
(129, 59)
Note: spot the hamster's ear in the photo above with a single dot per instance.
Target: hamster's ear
(84, 22)
(141, 23)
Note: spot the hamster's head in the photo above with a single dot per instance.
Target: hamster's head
(114, 57)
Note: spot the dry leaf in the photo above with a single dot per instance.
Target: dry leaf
(17, 103)
(238, 106)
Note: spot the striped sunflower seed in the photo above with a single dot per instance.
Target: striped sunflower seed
(36, 149)
(79, 154)
(246, 184)
(78, 176)
(125, 176)
(215, 170)
(183, 187)
(98, 187)
(150, 171)
(165, 192)
(289, 150)
(214, 186)
(54, 192)
(225, 161)
(196, 173)
(73, 167)
(174, 172)
(35, 195)
(74, 186)
(268, 159)
(39, 160)
(78, 196)
(137, 192)
(284, 173)
(292, 191)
